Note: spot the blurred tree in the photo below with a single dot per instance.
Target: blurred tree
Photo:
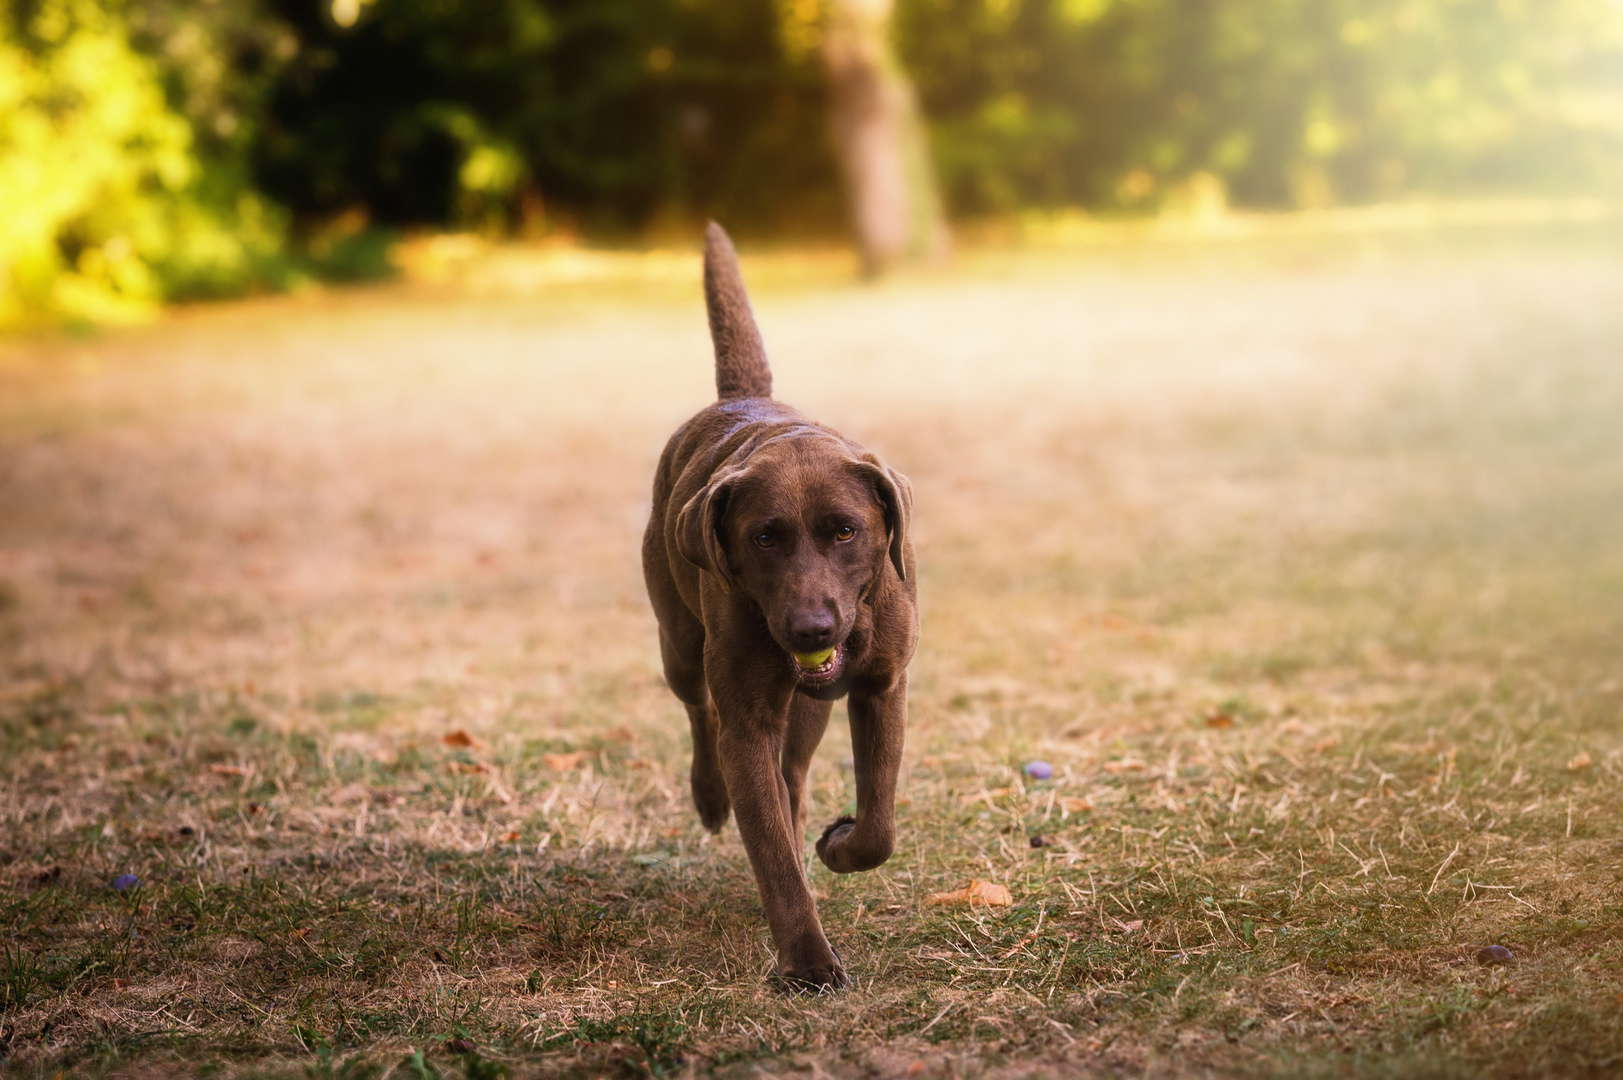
(1129, 103)
(612, 114)
(117, 197)
(136, 136)
(877, 131)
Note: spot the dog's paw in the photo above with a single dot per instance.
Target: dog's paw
(834, 836)
(820, 976)
(710, 799)
(713, 816)
(845, 853)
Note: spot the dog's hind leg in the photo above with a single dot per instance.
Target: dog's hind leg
(808, 719)
(683, 656)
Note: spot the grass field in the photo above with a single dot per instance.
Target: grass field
(1301, 559)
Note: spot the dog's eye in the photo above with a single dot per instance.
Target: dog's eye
(844, 533)
(764, 540)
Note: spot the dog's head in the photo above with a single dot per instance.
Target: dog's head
(804, 525)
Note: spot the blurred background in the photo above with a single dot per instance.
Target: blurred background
(1264, 437)
(159, 150)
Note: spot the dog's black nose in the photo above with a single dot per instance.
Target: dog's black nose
(812, 630)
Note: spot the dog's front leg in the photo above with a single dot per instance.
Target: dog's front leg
(878, 729)
(752, 734)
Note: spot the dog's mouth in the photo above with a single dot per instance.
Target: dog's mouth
(820, 666)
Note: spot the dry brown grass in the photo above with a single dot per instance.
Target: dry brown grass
(1299, 561)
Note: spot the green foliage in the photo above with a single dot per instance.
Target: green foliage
(1130, 103)
(499, 113)
(114, 202)
(153, 150)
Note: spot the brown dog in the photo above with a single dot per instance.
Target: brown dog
(778, 564)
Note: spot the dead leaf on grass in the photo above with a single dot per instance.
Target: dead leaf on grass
(462, 740)
(468, 767)
(1123, 766)
(1219, 720)
(564, 762)
(1329, 742)
(1581, 762)
(975, 894)
(228, 770)
(1075, 804)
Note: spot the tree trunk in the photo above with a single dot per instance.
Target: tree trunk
(879, 138)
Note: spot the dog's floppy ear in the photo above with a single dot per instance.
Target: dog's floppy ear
(895, 495)
(699, 527)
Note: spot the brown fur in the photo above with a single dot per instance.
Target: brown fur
(772, 535)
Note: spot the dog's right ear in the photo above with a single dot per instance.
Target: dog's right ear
(699, 527)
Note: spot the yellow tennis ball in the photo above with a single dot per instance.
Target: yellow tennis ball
(811, 660)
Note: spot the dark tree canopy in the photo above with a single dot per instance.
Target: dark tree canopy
(611, 111)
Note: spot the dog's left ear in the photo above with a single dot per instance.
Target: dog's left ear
(699, 527)
(895, 495)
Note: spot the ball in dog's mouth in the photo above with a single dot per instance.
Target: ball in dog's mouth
(819, 664)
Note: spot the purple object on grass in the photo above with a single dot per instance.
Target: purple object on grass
(126, 882)
(1039, 770)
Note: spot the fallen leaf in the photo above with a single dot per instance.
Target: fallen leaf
(1579, 763)
(1123, 766)
(468, 767)
(975, 894)
(510, 837)
(1292, 726)
(620, 734)
(564, 762)
(639, 763)
(1219, 720)
(228, 770)
(462, 740)
(1130, 927)
(1075, 804)
(1329, 742)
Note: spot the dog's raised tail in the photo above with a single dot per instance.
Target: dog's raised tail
(741, 367)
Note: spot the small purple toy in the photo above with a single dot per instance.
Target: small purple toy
(1039, 770)
(126, 882)
(1495, 954)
